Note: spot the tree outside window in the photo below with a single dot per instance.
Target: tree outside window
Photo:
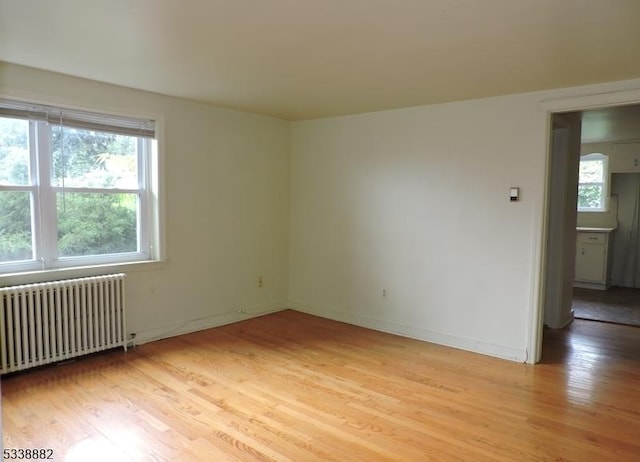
(592, 183)
(72, 195)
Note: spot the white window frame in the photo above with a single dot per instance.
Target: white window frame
(44, 193)
(597, 156)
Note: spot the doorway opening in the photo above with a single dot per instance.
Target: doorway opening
(607, 286)
(592, 268)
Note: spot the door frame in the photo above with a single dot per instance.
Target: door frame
(626, 94)
(561, 218)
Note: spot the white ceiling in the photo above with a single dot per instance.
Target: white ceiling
(302, 59)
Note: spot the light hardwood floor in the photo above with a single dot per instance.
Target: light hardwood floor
(293, 387)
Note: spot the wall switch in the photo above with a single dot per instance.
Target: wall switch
(514, 194)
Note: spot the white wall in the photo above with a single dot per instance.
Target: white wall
(413, 201)
(416, 201)
(226, 184)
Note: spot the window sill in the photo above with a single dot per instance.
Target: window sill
(31, 277)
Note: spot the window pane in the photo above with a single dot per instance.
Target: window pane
(590, 197)
(15, 226)
(14, 151)
(90, 159)
(97, 224)
(591, 171)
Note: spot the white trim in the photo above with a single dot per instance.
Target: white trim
(31, 277)
(157, 183)
(44, 208)
(590, 285)
(411, 331)
(593, 99)
(604, 158)
(91, 190)
(47, 212)
(620, 93)
(156, 191)
(176, 328)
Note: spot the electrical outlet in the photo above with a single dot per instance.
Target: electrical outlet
(385, 293)
(259, 282)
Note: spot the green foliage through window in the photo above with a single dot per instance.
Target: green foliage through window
(96, 224)
(15, 226)
(592, 183)
(92, 204)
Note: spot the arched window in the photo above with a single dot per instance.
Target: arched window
(593, 183)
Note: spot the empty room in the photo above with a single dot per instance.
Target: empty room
(318, 230)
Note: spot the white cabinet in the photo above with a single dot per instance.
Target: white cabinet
(625, 158)
(593, 250)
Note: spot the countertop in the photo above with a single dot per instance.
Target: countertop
(594, 230)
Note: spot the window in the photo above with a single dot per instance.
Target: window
(75, 188)
(592, 183)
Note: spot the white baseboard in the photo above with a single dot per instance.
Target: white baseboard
(562, 323)
(568, 319)
(414, 332)
(590, 285)
(194, 325)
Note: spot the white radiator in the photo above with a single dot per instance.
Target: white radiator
(53, 321)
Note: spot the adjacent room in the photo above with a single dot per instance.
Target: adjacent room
(606, 287)
(319, 230)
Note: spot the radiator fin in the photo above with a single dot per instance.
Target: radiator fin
(53, 321)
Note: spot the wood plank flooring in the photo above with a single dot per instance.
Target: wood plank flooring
(293, 387)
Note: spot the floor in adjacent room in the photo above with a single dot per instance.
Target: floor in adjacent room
(294, 387)
(620, 305)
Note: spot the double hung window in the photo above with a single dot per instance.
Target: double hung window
(593, 183)
(75, 188)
